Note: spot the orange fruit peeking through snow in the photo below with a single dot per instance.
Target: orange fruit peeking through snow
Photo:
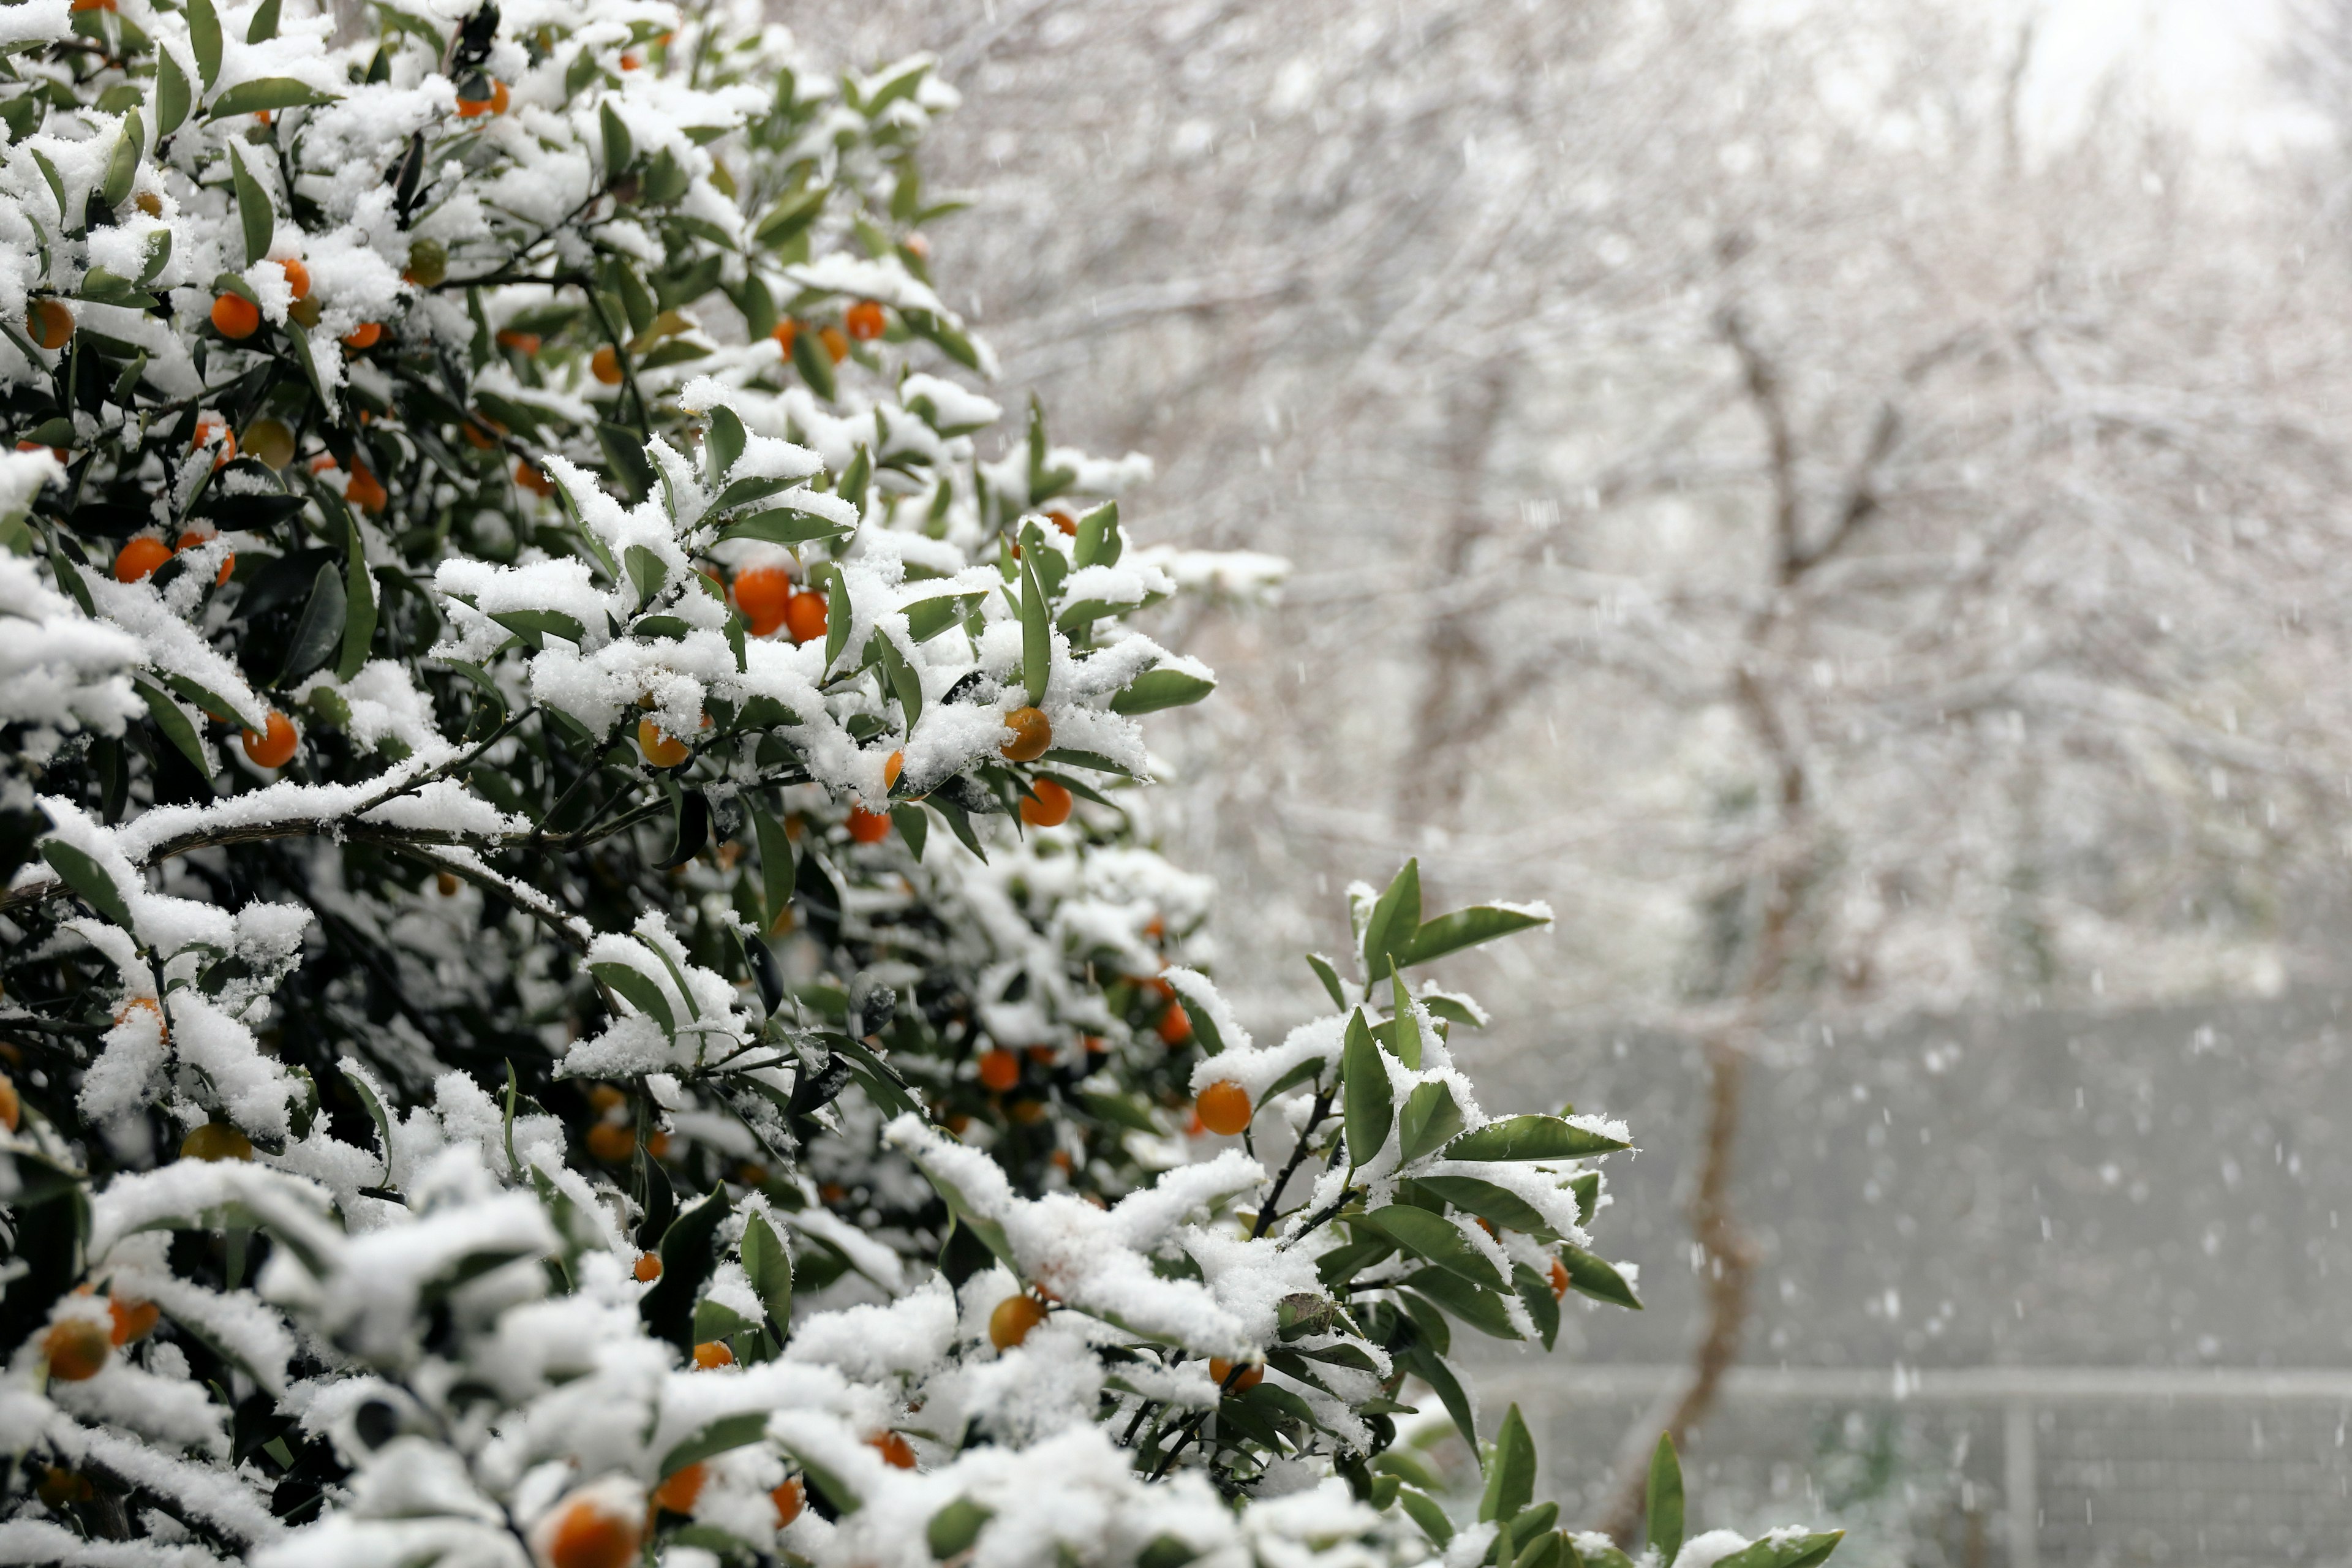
(1223, 1108)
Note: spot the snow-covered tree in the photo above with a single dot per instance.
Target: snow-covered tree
(585, 979)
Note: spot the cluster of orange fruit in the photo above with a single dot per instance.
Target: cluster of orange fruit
(768, 599)
(864, 321)
(590, 1534)
(78, 1347)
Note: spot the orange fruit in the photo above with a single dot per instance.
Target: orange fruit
(836, 347)
(804, 616)
(628, 62)
(77, 1348)
(270, 441)
(897, 1452)
(524, 344)
(133, 1320)
(148, 1004)
(298, 277)
(210, 430)
(604, 1098)
(138, 558)
(892, 766)
(364, 490)
(1223, 1108)
(604, 364)
(471, 108)
(275, 748)
(364, 336)
(1000, 1070)
(49, 323)
(678, 1491)
(868, 826)
(611, 1142)
(446, 884)
(532, 479)
(865, 321)
(1559, 1278)
(786, 331)
(217, 1140)
(236, 316)
(1062, 520)
(59, 1486)
(1047, 805)
(1032, 735)
(648, 1268)
(789, 1499)
(712, 1353)
(1175, 1024)
(12, 1110)
(1222, 1369)
(588, 1534)
(658, 1145)
(660, 749)
(765, 594)
(1013, 1318)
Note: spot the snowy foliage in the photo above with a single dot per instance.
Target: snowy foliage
(660, 1033)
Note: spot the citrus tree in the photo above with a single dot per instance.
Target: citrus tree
(583, 976)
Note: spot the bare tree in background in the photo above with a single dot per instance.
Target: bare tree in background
(1854, 552)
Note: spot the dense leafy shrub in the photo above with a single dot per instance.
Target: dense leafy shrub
(582, 974)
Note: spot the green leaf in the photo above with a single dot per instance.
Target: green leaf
(1587, 1188)
(775, 865)
(1483, 1310)
(1796, 1552)
(264, 25)
(809, 358)
(791, 217)
(1425, 1512)
(123, 166)
(173, 98)
(177, 728)
(1430, 1118)
(204, 37)
(1465, 928)
(1590, 1275)
(1535, 1292)
(637, 988)
(646, 571)
(714, 1320)
(1407, 1031)
(1329, 976)
(836, 619)
(1531, 1138)
(620, 150)
(301, 340)
(722, 443)
(533, 626)
(1098, 539)
(954, 1527)
(321, 627)
(667, 1309)
(784, 525)
(1367, 1103)
(1439, 1240)
(1395, 918)
(1036, 632)
(738, 1431)
(90, 882)
(269, 92)
(375, 1110)
(1510, 1473)
(1498, 1205)
(927, 618)
(913, 827)
(1429, 1365)
(770, 1268)
(1664, 1506)
(1164, 688)
(360, 607)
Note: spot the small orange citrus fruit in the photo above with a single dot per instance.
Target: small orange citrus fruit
(274, 748)
(1223, 1108)
(1032, 735)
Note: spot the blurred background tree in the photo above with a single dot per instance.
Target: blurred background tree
(1850, 516)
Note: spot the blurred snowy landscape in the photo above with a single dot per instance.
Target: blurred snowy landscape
(1843, 500)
